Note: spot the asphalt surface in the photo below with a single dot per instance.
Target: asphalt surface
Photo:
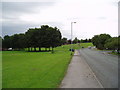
(79, 74)
(104, 66)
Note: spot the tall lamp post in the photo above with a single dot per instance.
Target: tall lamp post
(71, 35)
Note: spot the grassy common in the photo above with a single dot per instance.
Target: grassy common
(36, 69)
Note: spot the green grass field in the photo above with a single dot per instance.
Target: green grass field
(36, 69)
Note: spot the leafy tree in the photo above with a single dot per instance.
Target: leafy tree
(1, 42)
(85, 40)
(78, 41)
(95, 40)
(55, 37)
(21, 41)
(69, 41)
(31, 37)
(82, 41)
(89, 40)
(75, 40)
(64, 40)
(100, 40)
(38, 38)
(43, 37)
(113, 43)
(15, 42)
(6, 42)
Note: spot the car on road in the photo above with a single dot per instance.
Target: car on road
(89, 47)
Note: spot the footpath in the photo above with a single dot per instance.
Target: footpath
(79, 74)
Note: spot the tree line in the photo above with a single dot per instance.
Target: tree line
(105, 41)
(34, 39)
(43, 37)
(76, 40)
(37, 38)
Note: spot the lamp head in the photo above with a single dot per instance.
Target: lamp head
(73, 22)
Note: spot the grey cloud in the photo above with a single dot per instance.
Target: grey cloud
(10, 10)
(23, 6)
(10, 30)
(17, 28)
(13, 28)
(55, 24)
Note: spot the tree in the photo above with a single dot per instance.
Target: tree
(39, 38)
(6, 42)
(85, 40)
(75, 40)
(113, 43)
(82, 41)
(69, 41)
(78, 41)
(21, 41)
(15, 42)
(32, 36)
(1, 43)
(43, 37)
(64, 41)
(55, 37)
(89, 40)
(100, 40)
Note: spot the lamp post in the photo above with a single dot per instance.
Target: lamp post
(71, 35)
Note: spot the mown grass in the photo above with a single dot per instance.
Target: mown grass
(85, 45)
(35, 69)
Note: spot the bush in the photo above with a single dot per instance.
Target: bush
(100, 40)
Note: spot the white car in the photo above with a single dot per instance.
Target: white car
(9, 48)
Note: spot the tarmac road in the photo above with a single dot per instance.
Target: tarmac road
(79, 74)
(104, 66)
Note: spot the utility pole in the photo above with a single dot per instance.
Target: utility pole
(71, 35)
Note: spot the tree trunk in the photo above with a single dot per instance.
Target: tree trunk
(118, 51)
(52, 50)
(39, 49)
(45, 49)
(35, 49)
(28, 49)
(49, 49)
(31, 48)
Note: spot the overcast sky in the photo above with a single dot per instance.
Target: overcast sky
(92, 16)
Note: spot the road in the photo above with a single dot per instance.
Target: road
(104, 66)
(79, 74)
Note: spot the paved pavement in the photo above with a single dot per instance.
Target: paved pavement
(79, 75)
(105, 66)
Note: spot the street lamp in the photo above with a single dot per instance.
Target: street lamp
(71, 35)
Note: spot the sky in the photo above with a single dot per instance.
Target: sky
(92, 17)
